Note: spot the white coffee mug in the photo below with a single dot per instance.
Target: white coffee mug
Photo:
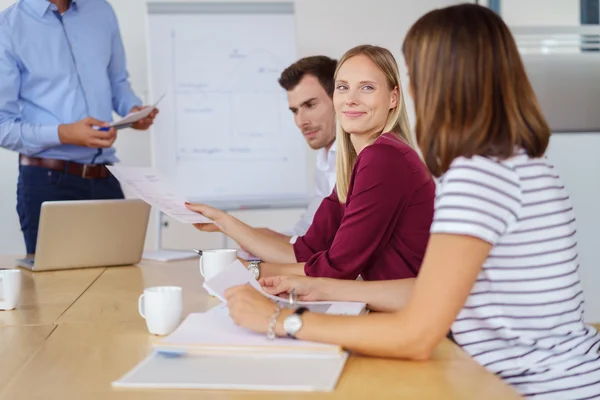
(214, 261)
(161, 307)
(10, 288)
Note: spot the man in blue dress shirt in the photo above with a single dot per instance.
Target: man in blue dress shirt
(63, 72)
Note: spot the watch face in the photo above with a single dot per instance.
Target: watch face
(292, 324)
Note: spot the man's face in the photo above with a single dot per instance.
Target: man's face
(313, 112)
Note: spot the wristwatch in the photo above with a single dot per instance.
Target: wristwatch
(254, 268)
(293, 323)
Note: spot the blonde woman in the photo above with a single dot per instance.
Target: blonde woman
(501, 266)
(376, 222)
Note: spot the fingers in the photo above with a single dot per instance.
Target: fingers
(104, 135)
(102, 139)
(199, 208)
(94, 122)
(270, 281)
(144, 123)
(207, 227)
(147, 122)
(153, 114)
(235, 292)
(276, 286)
(102, 143)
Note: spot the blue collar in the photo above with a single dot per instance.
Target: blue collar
(41, 7)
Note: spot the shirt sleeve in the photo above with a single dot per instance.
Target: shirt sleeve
(478, 197)
(16, 134)
(123, 97)
(382, 188)
(321, 232)
(301, 227)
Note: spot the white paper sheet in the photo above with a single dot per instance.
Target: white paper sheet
(236, 274)
(135, 116)
(155, 190)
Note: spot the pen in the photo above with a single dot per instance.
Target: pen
(198, 251)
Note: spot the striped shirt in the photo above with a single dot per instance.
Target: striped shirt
(524, 317)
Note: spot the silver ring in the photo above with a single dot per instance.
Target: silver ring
(293, 297)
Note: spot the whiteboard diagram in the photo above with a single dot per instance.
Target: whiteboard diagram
(225, 134)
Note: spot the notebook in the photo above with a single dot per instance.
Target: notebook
(235, 372)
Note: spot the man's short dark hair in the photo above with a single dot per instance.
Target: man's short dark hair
(321, 67)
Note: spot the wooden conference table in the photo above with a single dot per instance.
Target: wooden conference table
(76, 331)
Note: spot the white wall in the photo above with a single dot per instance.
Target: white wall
(540, 12)
(575, 156)
(330, 27)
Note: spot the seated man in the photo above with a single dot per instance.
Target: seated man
(309, 86)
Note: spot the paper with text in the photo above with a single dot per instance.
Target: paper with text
(150, 186)
(236, 274)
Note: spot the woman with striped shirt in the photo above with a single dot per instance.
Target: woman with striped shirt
(501, 266)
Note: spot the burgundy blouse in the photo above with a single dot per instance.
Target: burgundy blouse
(382, 230)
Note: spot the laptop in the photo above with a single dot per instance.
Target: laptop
(89, 233)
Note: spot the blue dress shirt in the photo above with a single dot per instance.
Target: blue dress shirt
(58, 69)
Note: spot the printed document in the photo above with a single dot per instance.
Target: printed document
(154, 189)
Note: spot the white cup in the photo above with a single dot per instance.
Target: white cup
(10, 288)
(161, 307)
(214, 261)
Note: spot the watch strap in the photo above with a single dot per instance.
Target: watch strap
(298, 311)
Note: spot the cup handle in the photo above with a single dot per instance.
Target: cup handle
(141, 305)
(201, 266)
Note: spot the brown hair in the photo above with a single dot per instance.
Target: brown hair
(397, 121)
(470, 89)
(321, 67)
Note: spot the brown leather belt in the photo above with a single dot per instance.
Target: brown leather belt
(86, 171)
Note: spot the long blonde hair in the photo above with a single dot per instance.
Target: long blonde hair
(397, 121)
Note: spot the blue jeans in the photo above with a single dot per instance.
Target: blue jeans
(37, 185)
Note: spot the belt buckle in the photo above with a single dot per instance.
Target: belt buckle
(84, 171)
